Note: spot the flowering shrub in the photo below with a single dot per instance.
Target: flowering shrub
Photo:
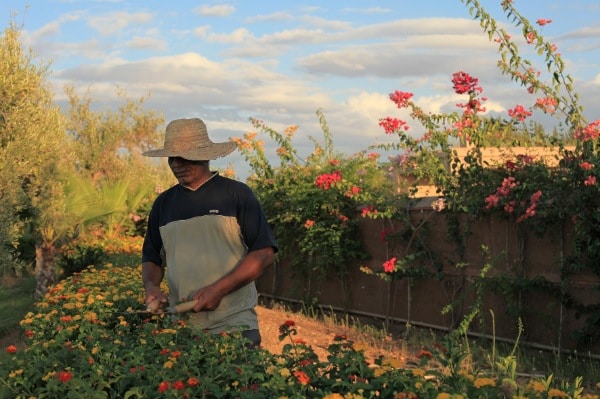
(81, 347)
(527, 191)
(313, 202)
(96, 248)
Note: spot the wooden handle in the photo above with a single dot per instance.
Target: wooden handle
(183, 307)
(153, 305)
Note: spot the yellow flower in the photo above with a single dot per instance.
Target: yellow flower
(467, 375)
(285, 372)
(15, 373)
(556, 393)
(392, 362)
(168, 364)
(333, 396)
(443, 395)
(359, 346)
(418, 372)
(90, 316)
(484, 382)
(536, 386)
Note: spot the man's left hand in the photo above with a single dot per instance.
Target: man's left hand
(208, 298)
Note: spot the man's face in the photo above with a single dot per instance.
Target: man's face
(188, 173)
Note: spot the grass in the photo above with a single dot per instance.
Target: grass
(16, 299)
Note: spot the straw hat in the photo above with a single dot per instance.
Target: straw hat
(188, 139)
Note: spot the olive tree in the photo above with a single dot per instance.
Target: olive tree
(32, 136)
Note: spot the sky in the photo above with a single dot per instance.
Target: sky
(281, 61)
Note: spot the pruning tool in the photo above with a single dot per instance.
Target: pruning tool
(154, 308)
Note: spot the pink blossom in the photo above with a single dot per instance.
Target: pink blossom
(463, 83)
(585, 165)
(491, 201)
(401, 98)
(326, 180)
(390, 125)
(390, 265)
(547, 104)
(590, 132)
(542, 22)
(590, 181)
(519, 113)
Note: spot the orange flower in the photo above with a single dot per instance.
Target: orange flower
(11, 349)
(309, 224)
(302, 377)
(192, 382)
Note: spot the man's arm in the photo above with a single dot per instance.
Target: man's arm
(249, 269)
(152, 275)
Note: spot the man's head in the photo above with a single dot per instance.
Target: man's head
(188, 139)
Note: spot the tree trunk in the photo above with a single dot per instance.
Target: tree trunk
(45, 275)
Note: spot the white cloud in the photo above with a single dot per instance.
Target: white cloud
(215, 11)
(108, 24)
(238, 36)
(147, 43)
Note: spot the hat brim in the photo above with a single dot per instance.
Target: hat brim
(214, 151)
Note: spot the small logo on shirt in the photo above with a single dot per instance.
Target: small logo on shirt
(214, 211)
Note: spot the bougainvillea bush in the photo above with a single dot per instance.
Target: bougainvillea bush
(79, 345)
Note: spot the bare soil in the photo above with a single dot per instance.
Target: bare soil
(320, 334)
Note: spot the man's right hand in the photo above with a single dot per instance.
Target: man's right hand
(155, 299)
(152, 275)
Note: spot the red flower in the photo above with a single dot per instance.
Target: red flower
(64, 376)
(163, 386)
(423, 353)
(11, 349)
(290, 323)
(178, 385)
(29, 333)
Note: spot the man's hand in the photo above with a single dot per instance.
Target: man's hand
(208, 298)
(155, 299)
(152, 275)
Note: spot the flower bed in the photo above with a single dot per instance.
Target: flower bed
(78, 346)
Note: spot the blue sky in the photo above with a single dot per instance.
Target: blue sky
(226, 61)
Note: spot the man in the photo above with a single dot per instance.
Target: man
(209, 234)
